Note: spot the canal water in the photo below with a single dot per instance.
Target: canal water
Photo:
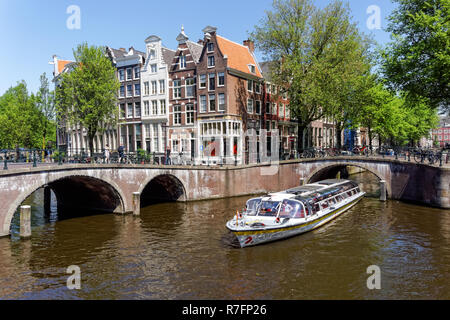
(183, 251)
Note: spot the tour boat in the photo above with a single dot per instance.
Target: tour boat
(295, 211)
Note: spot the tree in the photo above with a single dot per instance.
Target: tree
(46, 107)
(417, 61)
(87, 95)
(19, 118)
(310, 49)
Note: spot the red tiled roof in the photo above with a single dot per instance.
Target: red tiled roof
(239, 56)
(62, 64)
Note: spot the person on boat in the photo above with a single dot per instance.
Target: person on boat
(286, 209)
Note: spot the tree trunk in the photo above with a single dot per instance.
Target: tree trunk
(369, 131)
(300, 137)
(91, 146)
(338, 136)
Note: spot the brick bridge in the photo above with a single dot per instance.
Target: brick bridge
(110, 188)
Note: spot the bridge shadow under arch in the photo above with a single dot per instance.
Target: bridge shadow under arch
(162, 189)
(330, 171)
(76, 196)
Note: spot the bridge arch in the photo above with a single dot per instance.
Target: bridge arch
(162, 188)
(110, 189)
(318, 173)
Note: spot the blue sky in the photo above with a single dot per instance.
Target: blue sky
(32, 31)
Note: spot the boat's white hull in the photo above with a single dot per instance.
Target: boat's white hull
(254, 237)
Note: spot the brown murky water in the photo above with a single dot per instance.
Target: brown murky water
(183, 251)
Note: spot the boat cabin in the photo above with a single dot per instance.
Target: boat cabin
(303, 201)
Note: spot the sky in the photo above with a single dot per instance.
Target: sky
(32, 31)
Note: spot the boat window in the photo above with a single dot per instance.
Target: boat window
(291, 209)
(350, 193)
(324, 205)
(269, 208)
(252, 205)
(332, 201)
(316, 208)
(339, 198)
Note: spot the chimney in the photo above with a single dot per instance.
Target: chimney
(122, 49)
(250, 45)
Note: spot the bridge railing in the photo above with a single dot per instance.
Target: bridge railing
(35, 157)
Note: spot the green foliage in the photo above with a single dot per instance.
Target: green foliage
(87, 95)
(318, 56)
(20, 118)
(417, 61)
(396, 119)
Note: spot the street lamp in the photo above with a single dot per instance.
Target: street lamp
(165, 126)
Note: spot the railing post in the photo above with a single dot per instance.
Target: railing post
(5, 165)
(34, 158)
(25, 221)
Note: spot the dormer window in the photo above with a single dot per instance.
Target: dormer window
(182, 62)
(252, 68)
(210, 47)
(152, 54)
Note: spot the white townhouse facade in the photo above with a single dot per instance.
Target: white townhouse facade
(155, 95)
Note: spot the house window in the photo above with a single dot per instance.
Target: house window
(269, 88)
(162, 86)
(154, 89)
(146, 88)
(250, 85)
(122, 91)
(182, 62)
(130, 110)
(202, 82)
(176, 89)
(177, 114)
(152, 54)
(281, 110)
(190, 113)
(221, 101)
(121, 75)
(202, 103)
(129, 74)
(154, 107)
(212, 81)
(258, 107)
(221, 76)
(162, 105)
(190, 88)
(250, 106)
(252, 68)
(137, 110)
(137, 72)
(211, 61)
(274, 108)
(129, 90)
(175, 145)
(212, 102)
(122, 111)
(154, 68)
(137, 89)
(210, 47)
(268, 107)
(146, 108)
(257, 87)
(287, 111)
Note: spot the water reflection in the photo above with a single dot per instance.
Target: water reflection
(183, 251)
